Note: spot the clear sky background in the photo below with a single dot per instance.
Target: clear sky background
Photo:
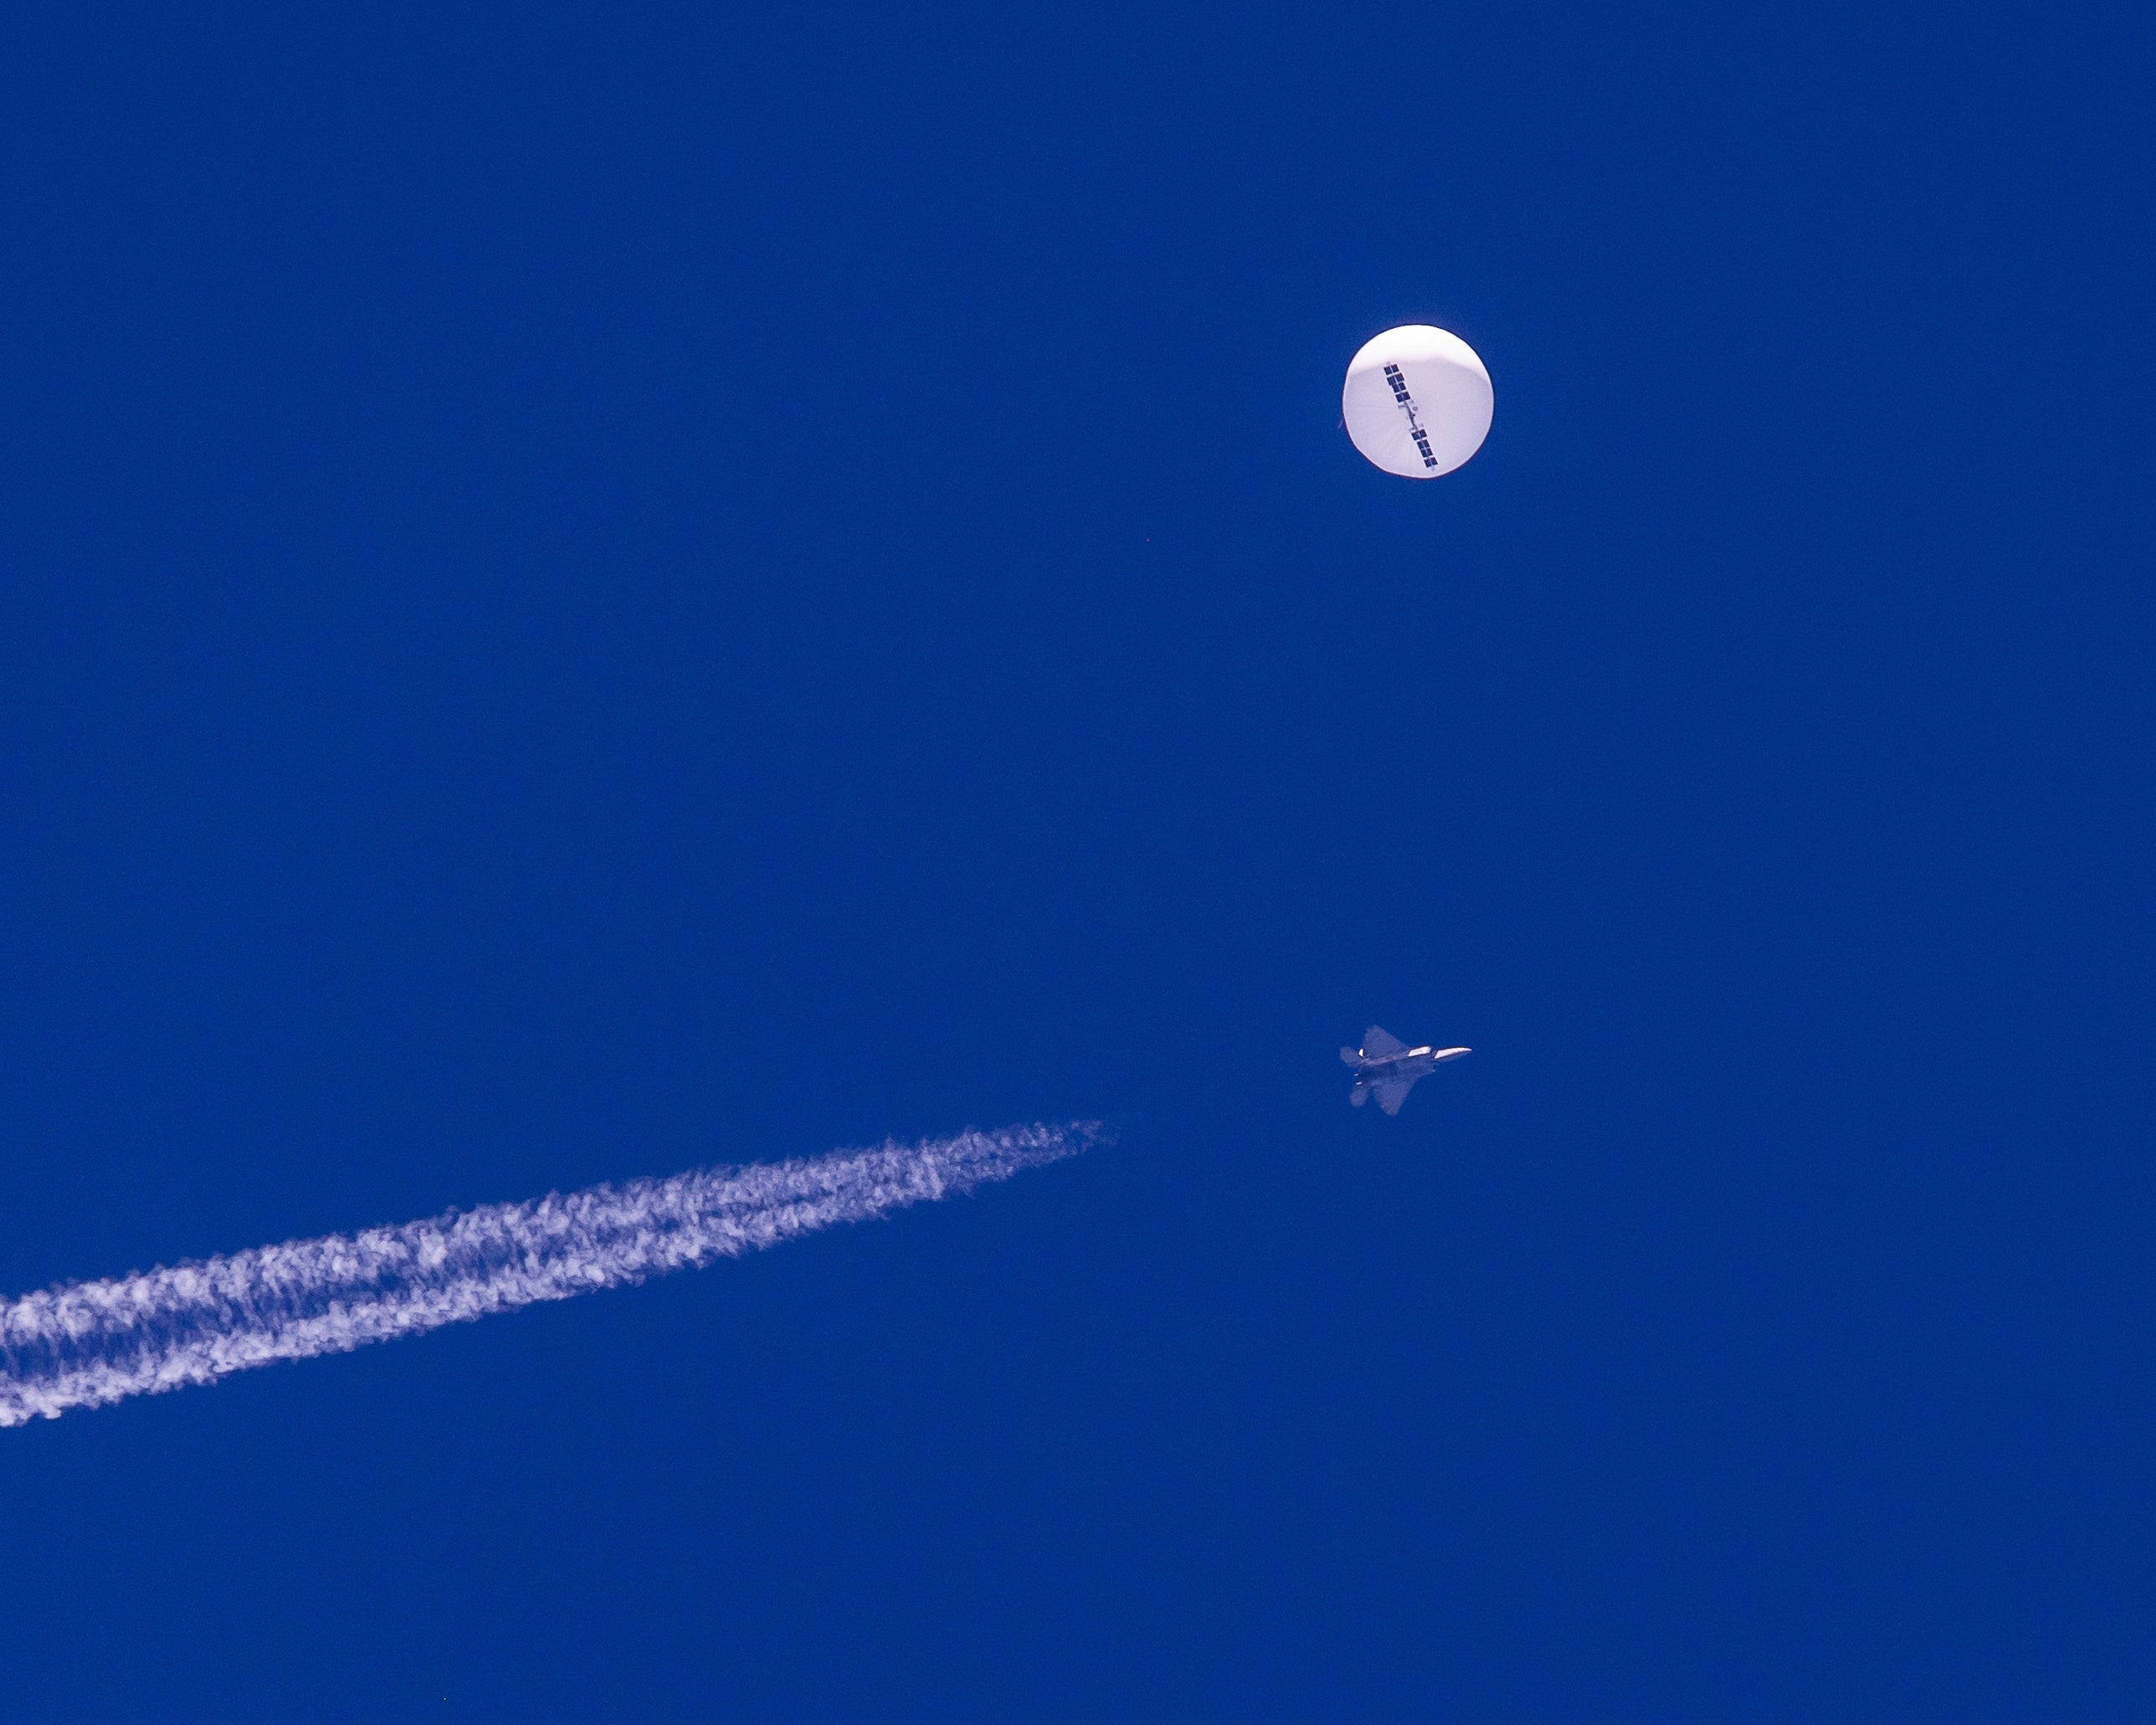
(582, 593)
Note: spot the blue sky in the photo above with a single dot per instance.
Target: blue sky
(587, 592)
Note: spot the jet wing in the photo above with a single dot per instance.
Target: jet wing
(1391, 1092)
(1379, 1044)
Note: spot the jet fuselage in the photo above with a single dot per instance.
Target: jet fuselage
(1415, 1063)
(1387, 1070)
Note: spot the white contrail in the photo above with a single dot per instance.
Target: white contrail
(84, 1344)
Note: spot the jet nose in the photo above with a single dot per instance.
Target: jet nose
(1451, 1054)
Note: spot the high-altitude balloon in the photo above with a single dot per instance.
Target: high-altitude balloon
(1417, 401)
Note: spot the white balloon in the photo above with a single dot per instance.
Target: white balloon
(1417, 401)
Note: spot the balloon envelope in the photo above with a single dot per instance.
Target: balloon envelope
(1417, 401)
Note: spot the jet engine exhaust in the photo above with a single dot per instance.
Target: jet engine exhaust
(86, 1344)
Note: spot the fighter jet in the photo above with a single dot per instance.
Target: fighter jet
(1388, 1069)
